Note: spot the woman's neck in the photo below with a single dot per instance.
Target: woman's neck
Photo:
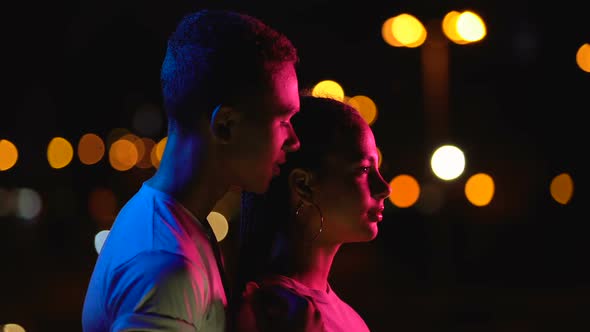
(314, 267)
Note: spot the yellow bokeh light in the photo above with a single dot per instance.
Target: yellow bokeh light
(8, 154)
(479, 189)
(408, 30)
(380, 156)
(470, 26)
(13, 328)
(405, 191)
(160, 147)
(145, 160)
(365, 106)
(562, 188)
(123, 155)
(59, 152)
(387, 33)
(219, 225)
(91, 149)
(449, 27)
(139, 145)
(158, 152)
(328, 89)
(421, 38)
(583, 57)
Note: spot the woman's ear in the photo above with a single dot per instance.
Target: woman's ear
(223, 123)
(301, 184)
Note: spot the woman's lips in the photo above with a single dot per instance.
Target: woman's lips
(375, 215)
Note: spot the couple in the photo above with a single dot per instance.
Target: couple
(236, 120)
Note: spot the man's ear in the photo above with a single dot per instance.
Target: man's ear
(223, 123)
(301, 183)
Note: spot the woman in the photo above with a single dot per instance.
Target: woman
(328, 193)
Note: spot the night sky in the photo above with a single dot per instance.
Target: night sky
(517, 103)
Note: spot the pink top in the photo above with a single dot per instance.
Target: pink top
(279, 303)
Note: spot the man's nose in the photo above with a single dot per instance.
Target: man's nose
(292, 143)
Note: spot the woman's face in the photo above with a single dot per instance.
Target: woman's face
(350, 190)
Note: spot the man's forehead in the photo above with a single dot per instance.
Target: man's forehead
(283, 94)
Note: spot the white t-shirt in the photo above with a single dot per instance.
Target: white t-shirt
(155, 272)
(290, 305)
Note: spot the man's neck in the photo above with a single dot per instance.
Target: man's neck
(185, 174)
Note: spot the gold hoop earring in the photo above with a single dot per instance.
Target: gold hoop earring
(300, 205)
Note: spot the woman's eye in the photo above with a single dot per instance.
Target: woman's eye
(365, 169)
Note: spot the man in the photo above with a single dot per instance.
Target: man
(229, 89)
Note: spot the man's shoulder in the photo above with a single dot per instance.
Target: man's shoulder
(158, 275)
(159, 265)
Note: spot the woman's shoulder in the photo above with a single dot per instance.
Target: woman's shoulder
(278, 297)
(274, 305)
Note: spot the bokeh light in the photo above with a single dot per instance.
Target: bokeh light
(140, 146)
(408, 30)
(470, 26)
(123, 155)
(387, 33)
(219, 225)
(91, 149)
(562, 188)
(479, 189)
(59, 152)
(144, 160)
(13, 328)
(8, 154)
(449, 27)
(328, 89)
(99, 240)
(365, 106)
(583, 57)
(29, 203)
(447, 162)
(405, 191)
(158, 152)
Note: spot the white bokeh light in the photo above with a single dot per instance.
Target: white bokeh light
(99, 239)
(28, 204)
(448, 162)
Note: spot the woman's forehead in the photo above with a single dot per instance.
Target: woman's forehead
(355, 145)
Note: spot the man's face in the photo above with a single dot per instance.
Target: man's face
(265, 135)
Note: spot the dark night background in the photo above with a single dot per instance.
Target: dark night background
(517, 105)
